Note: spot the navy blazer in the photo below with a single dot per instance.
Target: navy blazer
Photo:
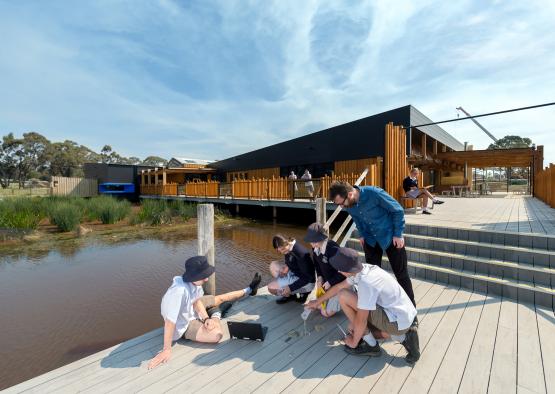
(323, 266)
(300, 263)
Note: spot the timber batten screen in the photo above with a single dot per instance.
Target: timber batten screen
(395, 166)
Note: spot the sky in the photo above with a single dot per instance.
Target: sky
(212, 79)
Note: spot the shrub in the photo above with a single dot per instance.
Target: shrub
(22, 213)
(65, 215)
(108, 210)
(155, 212)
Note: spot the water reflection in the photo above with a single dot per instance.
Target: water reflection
(62, 301)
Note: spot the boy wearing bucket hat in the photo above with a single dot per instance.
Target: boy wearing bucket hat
(190, 314)
(323, 249)
(380, 302)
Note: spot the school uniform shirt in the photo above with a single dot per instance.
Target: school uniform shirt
(378, 216)
(177, 305)
(322, 263)
(377, 287)
(300, 263)
(408, 183)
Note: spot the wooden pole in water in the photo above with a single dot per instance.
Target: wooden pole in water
(205, 230)
(321, 210)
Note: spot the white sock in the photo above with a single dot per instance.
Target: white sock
(425, 209)
(247, 290)
(216, 315)
(398, 338)
(369, 339)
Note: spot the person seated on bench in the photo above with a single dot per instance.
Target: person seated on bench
(190, 314)
(323, 249)
(380, 303)
(410, 185)
(299, 282)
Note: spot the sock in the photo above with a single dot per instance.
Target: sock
(247, 290)
(216, 315)
(434, 199)
(369, 339)
(398, 338)
(425, 209)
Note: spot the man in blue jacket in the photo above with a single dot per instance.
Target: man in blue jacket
(380, 221)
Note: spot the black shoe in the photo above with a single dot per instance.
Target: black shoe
(412, 345)
(415, 322)
(255, 283)
(284, 300)
(364, 349)
(426, 213)
(439, 202)
(222, 308)
(301, 297)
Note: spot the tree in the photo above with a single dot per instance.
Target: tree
(30, 155)
(8, 167)
(154, 161)
(511, 141)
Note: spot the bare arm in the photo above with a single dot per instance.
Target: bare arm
(334, 290)
(165, 354)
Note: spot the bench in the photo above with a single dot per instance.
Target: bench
(417, 201)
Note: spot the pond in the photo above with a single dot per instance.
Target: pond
(71, 299)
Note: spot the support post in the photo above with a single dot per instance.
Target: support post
(274, 212)
(205, 232)
(321, 210)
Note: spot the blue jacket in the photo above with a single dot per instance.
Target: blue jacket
(378, 216)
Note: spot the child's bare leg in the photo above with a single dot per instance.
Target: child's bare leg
(273, 287)
(231, 296)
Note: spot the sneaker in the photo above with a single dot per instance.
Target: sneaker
(222, 308)
(284, 300)
(411, 343)
(255, 283)
(438, 202)
(364, 349)
(426, 213)
(301, 297)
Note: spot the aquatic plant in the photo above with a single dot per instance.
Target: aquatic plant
(108, 209)
(65, 215)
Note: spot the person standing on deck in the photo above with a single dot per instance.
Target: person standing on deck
(307, 176)
(380, 221)
(323, 249)
(300, 273)
(189, 314)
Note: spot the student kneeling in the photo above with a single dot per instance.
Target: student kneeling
(189, 314)
(381, 302)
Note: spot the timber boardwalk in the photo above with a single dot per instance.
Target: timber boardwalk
(471, 343)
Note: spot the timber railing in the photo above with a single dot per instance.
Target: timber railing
(263, 189)
(544, 185)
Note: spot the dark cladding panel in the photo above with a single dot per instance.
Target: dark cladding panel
(359, 139)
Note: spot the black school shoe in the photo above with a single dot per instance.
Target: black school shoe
(411, 343)
(364, 349)
(426, 213)
(301, 297)
(255, 283)
(222, 308)
(438, 202)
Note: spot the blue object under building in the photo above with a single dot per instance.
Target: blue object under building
(116, 188)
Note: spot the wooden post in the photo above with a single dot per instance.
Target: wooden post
(321, 210)
(205, 235)
(424, 145)
(274, 212)
(156, 175)
(164, 179)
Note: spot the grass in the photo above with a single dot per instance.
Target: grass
(26, 213)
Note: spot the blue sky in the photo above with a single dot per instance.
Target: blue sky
(211, 79)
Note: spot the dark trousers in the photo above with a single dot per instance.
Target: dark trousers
(397, 260)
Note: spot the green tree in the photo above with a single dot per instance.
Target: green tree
(30, 155)
(8, 167)
(511, 141)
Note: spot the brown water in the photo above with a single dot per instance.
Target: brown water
(74, 299)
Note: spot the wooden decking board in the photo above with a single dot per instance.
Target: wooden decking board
(372, 371)
(420, 379)
(504, 365)
(450, 372)
(196, 364)
(529, 361)
(394, 376)
(277, 334)
(546, 330)
(93, 374)
(283, 360)
(468, 341)
(181, 355)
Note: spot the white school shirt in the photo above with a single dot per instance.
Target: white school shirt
(177, 305)
(377, 287)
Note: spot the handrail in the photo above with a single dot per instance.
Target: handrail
(339, 208)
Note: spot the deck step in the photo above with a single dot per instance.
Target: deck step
(521, 291)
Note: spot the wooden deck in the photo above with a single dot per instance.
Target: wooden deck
(470, 342)
(514, 213)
